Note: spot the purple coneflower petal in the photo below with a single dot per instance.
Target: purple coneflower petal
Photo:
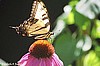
(29, 60)
(48, 62)
(56, 61)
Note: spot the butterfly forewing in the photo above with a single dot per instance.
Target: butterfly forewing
(38, 24)
(39, 12)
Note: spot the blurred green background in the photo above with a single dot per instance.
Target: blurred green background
(76, 30)
(77, 33)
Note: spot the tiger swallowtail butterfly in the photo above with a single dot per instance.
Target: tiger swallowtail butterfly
(38, 25)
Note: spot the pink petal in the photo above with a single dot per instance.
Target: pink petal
(33, 62)
(29, 60)
(48, 62)
(23, 60)
(56, 61)
(42, 62)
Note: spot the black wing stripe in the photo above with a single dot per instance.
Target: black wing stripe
(46, 25)
(44, 18)
(43, 14)
(40, 29)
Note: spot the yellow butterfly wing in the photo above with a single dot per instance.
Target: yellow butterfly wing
(42, 25)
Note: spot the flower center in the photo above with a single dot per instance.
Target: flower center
(41, 49)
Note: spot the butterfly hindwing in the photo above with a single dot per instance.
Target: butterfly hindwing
(38, 28)
(44, 36)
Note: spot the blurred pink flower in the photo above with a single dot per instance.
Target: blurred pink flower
(41, 53)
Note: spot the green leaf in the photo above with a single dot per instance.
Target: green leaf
(97, 50)
(70, 18)
(73, 3)
(91, 59)
(80, 19)
(65, 46)
(96, 29)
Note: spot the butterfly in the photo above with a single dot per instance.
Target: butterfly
(38, 25)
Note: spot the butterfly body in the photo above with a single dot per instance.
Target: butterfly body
(38, 24)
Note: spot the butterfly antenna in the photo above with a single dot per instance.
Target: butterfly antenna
(13, 27)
